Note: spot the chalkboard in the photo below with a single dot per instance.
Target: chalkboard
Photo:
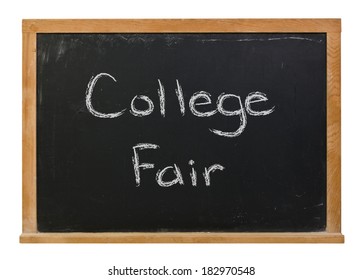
(181, 132)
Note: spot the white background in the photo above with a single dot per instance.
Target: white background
(272, 261)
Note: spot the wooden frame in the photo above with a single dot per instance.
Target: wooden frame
(332, 27)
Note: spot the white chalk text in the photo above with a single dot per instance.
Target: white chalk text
(197, 100)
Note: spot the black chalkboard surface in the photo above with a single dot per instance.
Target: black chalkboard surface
(181, 132)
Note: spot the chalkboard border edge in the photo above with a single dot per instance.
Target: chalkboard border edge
(181, 25)
(189, 237)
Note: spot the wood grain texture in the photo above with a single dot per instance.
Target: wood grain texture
(29, 132)
(333, 132)
(330, 26)
(189, 237)
(181, 25)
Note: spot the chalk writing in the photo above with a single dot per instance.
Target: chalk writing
(175, 169)
(197, 100)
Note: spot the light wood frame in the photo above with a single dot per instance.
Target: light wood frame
(332, 28)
